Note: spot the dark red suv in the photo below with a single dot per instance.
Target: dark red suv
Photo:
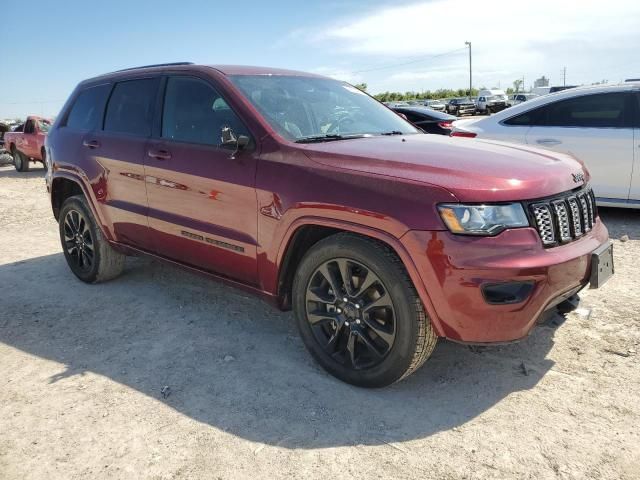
(307, 191)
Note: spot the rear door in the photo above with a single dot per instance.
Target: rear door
(119, 149)
(29, 140)
(634, 191)
(597, 129)
(202, 199)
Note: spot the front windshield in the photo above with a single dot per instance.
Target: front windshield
(299, 108)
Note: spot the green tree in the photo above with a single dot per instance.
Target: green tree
(361, 86)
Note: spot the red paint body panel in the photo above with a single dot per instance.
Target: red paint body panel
(29, 144)
(234, 218)
(454, 267)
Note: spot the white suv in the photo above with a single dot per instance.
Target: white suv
(598, 125)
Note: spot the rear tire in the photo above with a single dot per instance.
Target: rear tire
(87, 252)
(20, 161)
(43, 156)
(372, 330)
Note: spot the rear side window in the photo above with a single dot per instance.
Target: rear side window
(30, 127)
(86, 112)
(605, 110)
(130, 107)
(602, 110)
(524, 119)
(195, 112)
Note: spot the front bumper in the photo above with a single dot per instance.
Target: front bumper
(454, 268)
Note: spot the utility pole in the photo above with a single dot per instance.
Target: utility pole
(564, 77)
(470, 77)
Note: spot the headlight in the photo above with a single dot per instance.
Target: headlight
(482, 219)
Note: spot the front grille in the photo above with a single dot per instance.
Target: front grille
(565, 218)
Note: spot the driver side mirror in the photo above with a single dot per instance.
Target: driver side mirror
(229, 140)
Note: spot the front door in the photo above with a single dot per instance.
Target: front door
(597, 130)
(202, 199)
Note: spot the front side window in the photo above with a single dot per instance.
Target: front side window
(302, 108)
(86, 112)
(130, 107)
(195, 112)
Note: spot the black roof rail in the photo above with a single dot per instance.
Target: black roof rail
(173, 64)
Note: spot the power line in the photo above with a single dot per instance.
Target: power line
(409, 62)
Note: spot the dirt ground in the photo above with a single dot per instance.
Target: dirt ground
(162, 374)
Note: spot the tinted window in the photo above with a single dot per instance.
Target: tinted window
(195, 112)
(527, 118)
(130, 107)
(86, 112)
(601, 110)
(29, 127)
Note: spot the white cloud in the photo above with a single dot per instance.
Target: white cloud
(339, 74)
(595, 39)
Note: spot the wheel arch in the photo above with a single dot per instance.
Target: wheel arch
(64, 186)
(306, 232)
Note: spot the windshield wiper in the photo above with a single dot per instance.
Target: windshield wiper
(392, 132)
(329, 137)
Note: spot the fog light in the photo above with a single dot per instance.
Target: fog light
(506, 293)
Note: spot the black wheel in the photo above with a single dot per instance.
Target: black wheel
(358, 312)
(88, 254)
(43, 155)
(20, 161)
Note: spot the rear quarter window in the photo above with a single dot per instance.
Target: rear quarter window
(86, 111)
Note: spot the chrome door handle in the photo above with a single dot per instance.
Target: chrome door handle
(548, 141)
(91, 143)
(159, 154)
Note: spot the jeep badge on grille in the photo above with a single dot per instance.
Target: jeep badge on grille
(578, 177)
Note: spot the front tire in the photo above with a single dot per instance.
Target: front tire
(87, 252)
(20, 161)
(358, 312)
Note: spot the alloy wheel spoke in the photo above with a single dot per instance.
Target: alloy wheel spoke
(316, 317)
(382, 301)
(345, 274)
(314, 295)
(381, 332)
(367, 282)
(328, 275)
(351, 348)
(370, 346)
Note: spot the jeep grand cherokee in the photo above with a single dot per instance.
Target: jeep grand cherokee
(310, 193)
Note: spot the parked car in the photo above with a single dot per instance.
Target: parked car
(460, 106)
(430, 121)
(491, 101)
(598, 125)
(518, 98)
(380, 238)
(436, 105)
(26, 142)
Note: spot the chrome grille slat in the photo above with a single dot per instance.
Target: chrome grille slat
(585, 212)
(576, 217)
(544, 222)
(564, 218)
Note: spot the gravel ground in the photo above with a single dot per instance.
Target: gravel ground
(163, 374)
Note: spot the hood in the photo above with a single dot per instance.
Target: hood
(473, 170)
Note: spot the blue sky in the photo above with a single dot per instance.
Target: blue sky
(50, 46)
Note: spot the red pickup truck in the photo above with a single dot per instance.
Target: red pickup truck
(26, 142)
